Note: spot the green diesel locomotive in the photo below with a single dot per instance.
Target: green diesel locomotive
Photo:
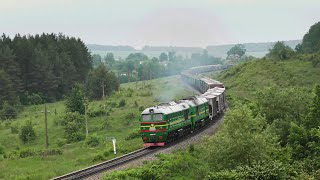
(167, 122)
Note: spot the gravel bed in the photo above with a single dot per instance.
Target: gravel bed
(180, 145)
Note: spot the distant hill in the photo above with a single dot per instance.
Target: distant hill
(172, 48)
(254, 49)
(97, 47)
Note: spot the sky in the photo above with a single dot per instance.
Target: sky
(162, 22)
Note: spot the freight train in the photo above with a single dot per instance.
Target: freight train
(167, 122)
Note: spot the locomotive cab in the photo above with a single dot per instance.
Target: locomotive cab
(153, 127)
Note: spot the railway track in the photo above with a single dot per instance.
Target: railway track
(107, 165)
(89, 171)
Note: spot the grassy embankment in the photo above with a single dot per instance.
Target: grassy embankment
(119, 122)
(243, 82)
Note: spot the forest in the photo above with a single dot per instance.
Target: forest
(44, 68)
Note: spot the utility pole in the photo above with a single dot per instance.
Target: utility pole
(85, 114)
(46, 125)
(102, 89)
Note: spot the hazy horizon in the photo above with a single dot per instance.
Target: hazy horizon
(180, 23)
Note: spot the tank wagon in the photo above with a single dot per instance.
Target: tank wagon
(167, 122)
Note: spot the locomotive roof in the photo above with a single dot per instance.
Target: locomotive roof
(171, 107)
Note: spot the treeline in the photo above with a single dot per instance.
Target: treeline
(138, 66)
(44, 68)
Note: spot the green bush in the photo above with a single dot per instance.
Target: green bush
(96, 113)
(98, 157)
(34, 99)
(8, 111)
(2, 150)
(27, 133)
(61, 142)
(93, 140)
(76, 137)
(14, 129)
(51, 152)
(130, 116)
(133, 135)
(122, 103)
(141, 108)
(27, 152)
(226, 175)
(74, 125)
(264, 170)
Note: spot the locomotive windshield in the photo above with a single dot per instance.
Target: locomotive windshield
(153, 117)
(157, 117)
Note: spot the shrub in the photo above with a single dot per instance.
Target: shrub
(51, 152)
(191, 148)
(27, 132)
(74, 125)
(14, 129)
(93, 140)
(227, 175)
(133, 135)
(122, 103)
(141, 108)
(105, 125)
(8, 111)
(2, 150)
(96, 113)
(264, 170)
(98, 157)
(34, 99)
(76, 137)
(146, 94)
(130, 116)
(61, 142)
(26, 153)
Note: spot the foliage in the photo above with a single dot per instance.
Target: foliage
(98, 157)
(8, 111)
(237, 50)
(226, 175)
(163, 57)
(101, 82)
(75, 101)
(280, 51)
(34, 99)
(263, 170)
(311, 40)
(27, 132)
(122, 103)
(242, 140)
(14, 129)
(96, 60)
(57, 61)
(133, 135)
(74, 125)
(61, 142)
(312, 120)
(93, 140)
(109, 59)
(96, 113)
(2, 150)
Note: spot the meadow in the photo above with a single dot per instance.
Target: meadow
(120, 119)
